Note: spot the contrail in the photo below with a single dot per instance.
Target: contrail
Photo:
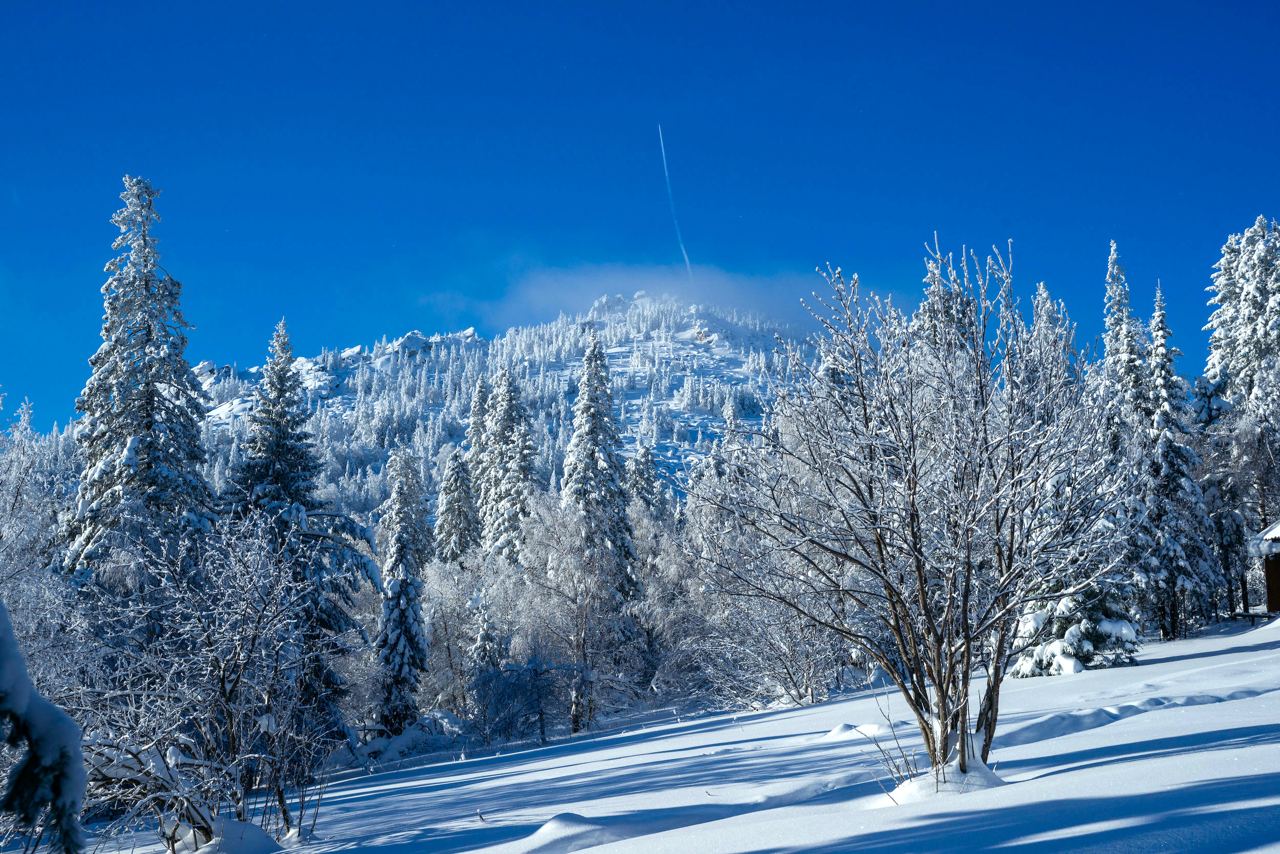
(671, 200)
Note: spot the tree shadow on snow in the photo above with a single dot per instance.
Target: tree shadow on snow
(1214, 815)
(1116, 754)
(1267, 646)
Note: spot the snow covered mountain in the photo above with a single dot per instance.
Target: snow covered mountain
(678, 372)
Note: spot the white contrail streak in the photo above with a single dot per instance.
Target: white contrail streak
(671, 200)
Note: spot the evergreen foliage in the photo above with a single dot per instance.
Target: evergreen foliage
(1181, 573)
(402, 633)
(142, 407)
(457, 528)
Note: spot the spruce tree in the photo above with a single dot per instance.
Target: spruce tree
(1083, 616)
(457, 529)
(1182, 572)
(279, 466)
(477, 444)
(1244, 328)
(593, 471)
(642, 482)
(277, 476)
(1225, 487)
(142, 407)
(508, 470)
(402, 632)
(1242, 368)
(1124, 397)
(1124, 375)
(601, 580)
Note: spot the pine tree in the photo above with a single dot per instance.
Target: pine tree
(402, 633)
(1225, 487)
(486, 686)
(1124, 375)
(1245, 325)
(508, 470)
(1123, 395)
(30, 492)
(1242, 368)
(1182, 571)
(1084, 617)
(642, 482)
(602, 583)
(277, 476)
(593, 470)
(457, 529)
(142, 407)
(477, 444)
(279, 465)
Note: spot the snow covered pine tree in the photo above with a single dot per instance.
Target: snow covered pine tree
(402, 632)
(277, 476)
(142, 407)
(596, 502)
(1182, 574)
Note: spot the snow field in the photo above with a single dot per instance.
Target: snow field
(1178, 752)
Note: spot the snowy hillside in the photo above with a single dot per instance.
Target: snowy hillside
(1178, 753)
(678, 371)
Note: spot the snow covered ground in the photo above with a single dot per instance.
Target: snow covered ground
(1178, 753)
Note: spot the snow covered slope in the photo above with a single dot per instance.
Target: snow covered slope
(1178, 753)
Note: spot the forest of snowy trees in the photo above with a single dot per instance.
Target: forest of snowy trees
(229, 583)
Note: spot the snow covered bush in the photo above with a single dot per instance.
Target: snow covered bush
(45, 789)
(212, 709)
(1062, 638)
(915, 491)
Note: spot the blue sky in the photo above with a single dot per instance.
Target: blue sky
(365, 169)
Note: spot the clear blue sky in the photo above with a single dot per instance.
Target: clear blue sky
(370, 168)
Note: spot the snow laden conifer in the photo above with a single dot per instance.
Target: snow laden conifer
(1181, 573)
(402, 633)
(1082, 618)
(142, 407)
(457, 529)
(1122, 394)
(487, 690)
(1225, 487)
(1242, 376)
(477, 445)
(598, 575)
(594, 473)
(279, 466)
(642, 482)
(507, 472)
(1244, 340)
(277, 476)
